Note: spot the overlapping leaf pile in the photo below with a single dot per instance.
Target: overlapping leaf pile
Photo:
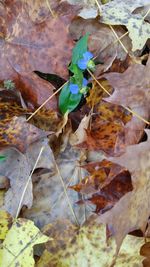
(81, 177)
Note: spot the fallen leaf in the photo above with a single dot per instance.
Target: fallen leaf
(6, 222)
(89, 8)
(27, 46)
(79, 135)
(18, 171)
(17, 248)
(132, 90)
(19, 134)
(119, 12)
(100, 174)
(145, 251)
(107, 136)
(129, 208)
(89, 248)
(35, 90)
(52, 197)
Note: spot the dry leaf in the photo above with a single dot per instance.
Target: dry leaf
(19, 134)
(132, 90)
(118, 12)
(17, 168)
(50, 201)
(129, 209)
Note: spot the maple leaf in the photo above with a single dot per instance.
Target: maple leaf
(119, 12)
(132, 89)
(27, 46)
(130, 207)
(17, 168)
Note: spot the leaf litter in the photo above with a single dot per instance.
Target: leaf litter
(81, 177)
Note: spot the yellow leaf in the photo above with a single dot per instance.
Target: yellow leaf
(5, 223)
(17, 249)
(89, 248)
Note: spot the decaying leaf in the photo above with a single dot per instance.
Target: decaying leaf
(132, 89)
(89, 8)
(89, 248)
(35, 90)
(17, 248)
(19, 134)
(145, 251)
(108, 137)
(130, 211)
(50, 200)
(27, 46)
(17, 168)
(106, 183)
(5, 223)
(118, 12)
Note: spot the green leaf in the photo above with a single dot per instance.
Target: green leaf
(67, 100)
(77, 78)
(2, 158)
(80, 48)
(18, 245)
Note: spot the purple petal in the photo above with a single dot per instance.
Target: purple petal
(85, 82)
(88, 55)
(82, 64)
(74, 88)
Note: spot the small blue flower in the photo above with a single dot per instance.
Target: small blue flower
(85, 82)
(83, 63)
(74, 88)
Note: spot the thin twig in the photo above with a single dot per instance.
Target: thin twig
(119, 40)
(122, 36)
(128, 109)
(50, 9)
(99, 7)
(45, 102)
(27, 183)
(146, 14)
(65, 191)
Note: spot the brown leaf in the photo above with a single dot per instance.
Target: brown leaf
(19, 134)
(27, 46)
(100, 175)
(145, 251)
(132, 90)
(17, 168)
(50, 201)
(132, 210)
(110, 194)
(106, 184)
(36, 90)
(108, 137)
